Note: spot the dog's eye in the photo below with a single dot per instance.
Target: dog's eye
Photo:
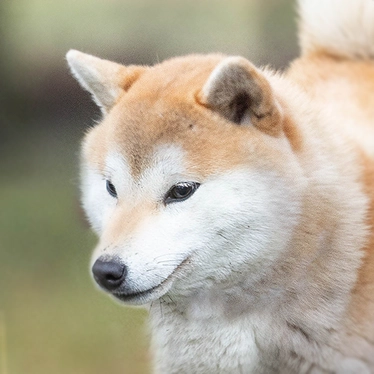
(111, 189)
(181, 191)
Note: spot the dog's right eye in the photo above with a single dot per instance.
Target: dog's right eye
(181, 191)
(111, 189)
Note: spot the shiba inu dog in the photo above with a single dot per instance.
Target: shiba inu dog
(238, 202)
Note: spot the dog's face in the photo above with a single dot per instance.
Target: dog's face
(190, 178)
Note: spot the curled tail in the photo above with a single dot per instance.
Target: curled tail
(343, 28)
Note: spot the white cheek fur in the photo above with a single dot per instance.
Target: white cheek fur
(249, 213)
(234, 213)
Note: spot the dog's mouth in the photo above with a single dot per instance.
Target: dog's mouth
(154, 293)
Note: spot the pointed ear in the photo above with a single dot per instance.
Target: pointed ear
(105, 80)
(239, 92)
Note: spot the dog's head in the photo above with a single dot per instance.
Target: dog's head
(190, 179)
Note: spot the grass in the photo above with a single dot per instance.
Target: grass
(52, 319)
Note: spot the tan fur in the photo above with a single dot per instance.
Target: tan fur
(313, 128)
(125, 222)
(347, 85)
(141, 120)
(361, 310)
(166, 123)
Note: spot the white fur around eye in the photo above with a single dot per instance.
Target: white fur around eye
(96, 200)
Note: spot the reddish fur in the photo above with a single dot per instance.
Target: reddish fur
(315, 73)
(164, 105)
(180, 81)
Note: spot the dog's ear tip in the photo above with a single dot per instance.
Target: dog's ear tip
(105, 80)
(73, 56)
(71, 53)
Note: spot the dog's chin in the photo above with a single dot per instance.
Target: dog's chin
(147, 296)
(153, 293)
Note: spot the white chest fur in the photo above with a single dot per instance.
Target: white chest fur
(209, 337)
(207, 345)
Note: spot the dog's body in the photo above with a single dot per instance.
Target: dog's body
(242, 204)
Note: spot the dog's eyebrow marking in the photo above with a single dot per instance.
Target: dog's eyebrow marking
(117, 171)
(167, 162)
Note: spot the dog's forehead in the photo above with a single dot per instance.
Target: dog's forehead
(143, 132)
(142, 128)
(162, 109)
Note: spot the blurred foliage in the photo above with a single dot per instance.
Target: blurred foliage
(55, 320)
(36, 34)
(52, 320)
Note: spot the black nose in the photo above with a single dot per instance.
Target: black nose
(109, 274)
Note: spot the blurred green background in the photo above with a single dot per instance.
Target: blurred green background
(52, 319)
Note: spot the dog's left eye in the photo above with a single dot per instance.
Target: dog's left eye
(181, 191)
(111, 189)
